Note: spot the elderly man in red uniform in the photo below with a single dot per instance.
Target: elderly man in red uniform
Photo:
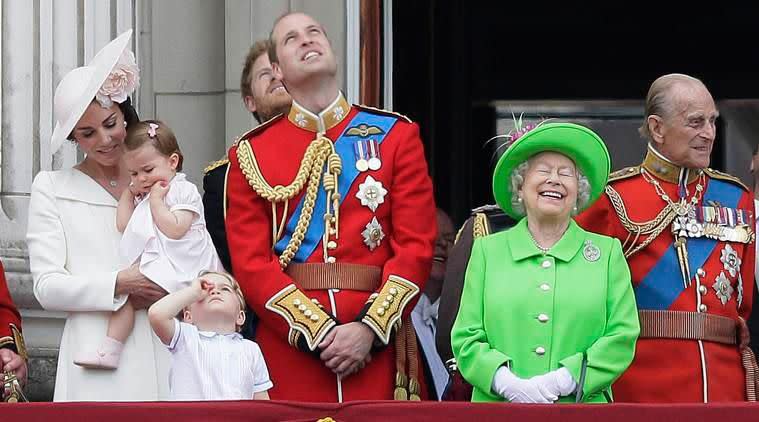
(688, 235)
(12, 349)
(331, 231)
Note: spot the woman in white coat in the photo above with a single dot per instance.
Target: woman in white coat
(74, 243)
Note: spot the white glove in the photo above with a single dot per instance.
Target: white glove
(558, 382)
(519, 390)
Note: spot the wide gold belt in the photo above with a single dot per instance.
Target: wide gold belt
(344, 276)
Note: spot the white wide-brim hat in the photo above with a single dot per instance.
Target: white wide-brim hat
(78, 88)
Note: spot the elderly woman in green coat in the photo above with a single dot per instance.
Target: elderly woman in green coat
(548, 311)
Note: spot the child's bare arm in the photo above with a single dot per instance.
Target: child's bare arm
(261, 395)
(173, 224)
(124, 210)
(162, 313)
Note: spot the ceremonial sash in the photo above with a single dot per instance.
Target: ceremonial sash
(664, 283)
(344, 148)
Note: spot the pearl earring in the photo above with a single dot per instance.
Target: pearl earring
(519, 199)
(125, 123)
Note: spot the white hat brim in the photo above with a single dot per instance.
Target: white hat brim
(103, 63)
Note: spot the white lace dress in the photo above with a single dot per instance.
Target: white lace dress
(170, 263)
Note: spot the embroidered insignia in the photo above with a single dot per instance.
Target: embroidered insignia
(591, 252)
(730, 260)
(723, 288)
(371, 193)
(300, 119)
(338, 112)
(373, 234)
(363, 130)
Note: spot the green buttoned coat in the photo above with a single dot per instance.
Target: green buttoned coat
(537, 313)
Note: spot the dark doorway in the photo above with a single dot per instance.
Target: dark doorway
(453, 59)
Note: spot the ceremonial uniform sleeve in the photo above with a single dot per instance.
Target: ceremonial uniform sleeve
(10, 319)
(610, 354)
(414, 225)
(268, 290)
(453, 284)
(54, 286)
(476, 359)
(748, 263)
(213, 208)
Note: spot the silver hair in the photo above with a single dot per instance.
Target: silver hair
(517, 180)
(659, 100)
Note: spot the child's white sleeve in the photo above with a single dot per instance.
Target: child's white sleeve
(184, 195)
(261, 381)
(183, 335)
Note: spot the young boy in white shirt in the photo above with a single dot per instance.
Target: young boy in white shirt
(210, 359)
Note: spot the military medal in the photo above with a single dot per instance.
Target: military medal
(591, 252)
(732, 264)
(359, 151)
(374, 161)
(373, 234)
(371, 193)
(723, 288)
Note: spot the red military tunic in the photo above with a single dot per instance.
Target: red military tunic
(291, 325)
(666, 369)
(10, 320)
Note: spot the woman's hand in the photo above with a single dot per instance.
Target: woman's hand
(520, 390)
(141, 290)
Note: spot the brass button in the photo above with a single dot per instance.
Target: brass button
(308, 313)
(296, 302)
(702, 289)
(701, 272)
(702, 308)
(315, 301)
(393, 291)
(302, 307)
(543, 318)
(546, 264)
(545, 287)
(380, 311)
(390, 298)
(331, 244)
(314, 317)
(331, 260)
(540, 351)
(385, 304)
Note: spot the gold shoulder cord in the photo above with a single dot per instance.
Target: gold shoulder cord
(651, 228)
(320, 151)
(480, 228)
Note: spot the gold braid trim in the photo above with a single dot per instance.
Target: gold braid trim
(480, 228)
(318, 152)
(651, 229)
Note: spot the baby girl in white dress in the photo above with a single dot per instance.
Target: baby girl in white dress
(164, 231)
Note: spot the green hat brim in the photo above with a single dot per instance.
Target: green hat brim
(579, 143)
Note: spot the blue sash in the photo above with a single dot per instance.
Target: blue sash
(344, 148)
(664, 283)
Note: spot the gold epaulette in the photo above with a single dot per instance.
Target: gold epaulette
(215, 164)
(724, 176)
(381, 111)
(624, 173)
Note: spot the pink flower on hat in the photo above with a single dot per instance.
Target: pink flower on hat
(121, 82)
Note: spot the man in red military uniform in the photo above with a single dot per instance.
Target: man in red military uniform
(12, 349)
(331, 231)
(688, 235)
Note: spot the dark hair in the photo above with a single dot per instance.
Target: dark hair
(164, 140)
(130, 116)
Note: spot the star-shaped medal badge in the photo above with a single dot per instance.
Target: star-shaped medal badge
(723, 288)
(373, 234)
(371, 193)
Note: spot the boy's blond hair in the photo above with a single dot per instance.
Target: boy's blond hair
(235, 287)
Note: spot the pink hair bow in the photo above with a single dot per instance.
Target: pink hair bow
(151, 129)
